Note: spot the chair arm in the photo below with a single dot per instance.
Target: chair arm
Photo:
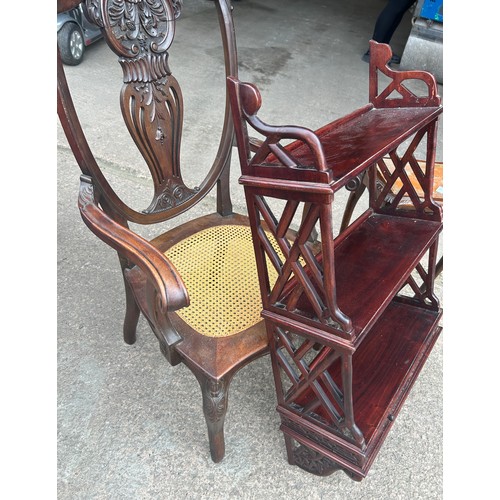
(161, 273)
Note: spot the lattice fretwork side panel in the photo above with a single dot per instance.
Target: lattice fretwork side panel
(314, 381)
(298, 273)
(402, 182)
(419, 287)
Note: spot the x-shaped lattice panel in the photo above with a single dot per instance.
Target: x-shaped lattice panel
(312, 377)
(407, 183)
(306, 283)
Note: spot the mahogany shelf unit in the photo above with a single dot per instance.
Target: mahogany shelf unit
(352, 319)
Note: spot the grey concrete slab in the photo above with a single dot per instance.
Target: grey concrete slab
(130, 425)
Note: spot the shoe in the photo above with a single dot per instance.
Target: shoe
(366, 56)
(395, 59)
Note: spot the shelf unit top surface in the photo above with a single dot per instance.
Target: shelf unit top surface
(353, 143)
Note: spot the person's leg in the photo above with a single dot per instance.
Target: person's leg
(389, 19)
(387, 22)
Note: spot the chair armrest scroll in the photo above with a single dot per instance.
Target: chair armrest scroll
(170, 290)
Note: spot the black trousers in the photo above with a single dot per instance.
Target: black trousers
(389, 19)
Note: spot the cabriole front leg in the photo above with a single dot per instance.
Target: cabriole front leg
(215, 393)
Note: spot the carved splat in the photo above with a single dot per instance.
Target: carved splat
(140, 32)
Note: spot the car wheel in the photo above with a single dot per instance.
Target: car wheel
(71, 46)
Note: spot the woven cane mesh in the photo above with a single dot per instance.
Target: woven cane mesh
(219, 271)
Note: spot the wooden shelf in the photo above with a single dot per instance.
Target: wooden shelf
(373, 261)
(388, 362)
(353, 143)
(385, 368)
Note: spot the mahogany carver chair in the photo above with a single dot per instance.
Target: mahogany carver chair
(196, 284)
(352, 319)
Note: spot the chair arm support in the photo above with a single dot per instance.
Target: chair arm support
(161, 273)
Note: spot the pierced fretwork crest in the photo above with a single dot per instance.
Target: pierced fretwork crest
(392, 89)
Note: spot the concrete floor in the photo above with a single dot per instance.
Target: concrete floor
(129, 425)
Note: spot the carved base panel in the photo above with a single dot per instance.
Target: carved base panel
(319, 453)
(313, 461)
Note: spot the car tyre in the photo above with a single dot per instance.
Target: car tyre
(71, 44)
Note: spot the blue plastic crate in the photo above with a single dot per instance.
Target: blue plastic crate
(432, 9)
